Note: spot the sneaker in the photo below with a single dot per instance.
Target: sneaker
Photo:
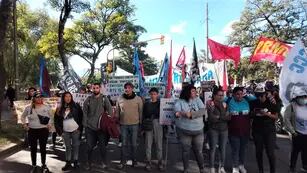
(34, 169)
(242, 169)
(212, 170)
(76, 165)
(121, 166)
(303, 170)
(45, 169)
(148, 167)
(222, 170)
(134, 164)
(235, 170)
(67, 166)
(161, 167)
(87, 166)
(102, 166)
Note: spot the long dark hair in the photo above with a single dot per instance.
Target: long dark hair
(64, 105)
(186, 92)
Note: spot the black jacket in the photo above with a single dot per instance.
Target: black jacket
(76, 113)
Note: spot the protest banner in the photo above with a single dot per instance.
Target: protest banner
(115, 86)
(270, 49)
(159, 86)
(167, 112)
(292, 79)
(70, 81)
(80, 98)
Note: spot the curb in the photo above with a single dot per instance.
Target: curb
(9, 150)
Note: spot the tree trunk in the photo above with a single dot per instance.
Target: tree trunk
(5, 12)
(92, 73)
(66, 9)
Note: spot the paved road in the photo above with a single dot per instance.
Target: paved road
(19, 162)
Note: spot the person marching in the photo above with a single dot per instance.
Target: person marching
(93, 107)
(189, 111)
(218, 117)
(35, 120)
(129, 109)
(68, 122)
(264, 115)
(295, 121)
(153, 130)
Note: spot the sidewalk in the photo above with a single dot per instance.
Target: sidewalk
(8, 119)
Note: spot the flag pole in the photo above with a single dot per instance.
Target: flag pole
(207, 31)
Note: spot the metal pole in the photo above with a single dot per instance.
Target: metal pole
(15, 54)
(207, 28)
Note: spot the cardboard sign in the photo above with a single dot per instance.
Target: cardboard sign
(80, 98)
(167, 112)
(115, 86)
(159, 86)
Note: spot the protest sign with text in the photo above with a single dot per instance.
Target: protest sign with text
(167, 112)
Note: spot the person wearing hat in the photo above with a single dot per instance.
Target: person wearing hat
(153, 130)
(264, 114)
(36, 120)
(129, 108)
(295, 121)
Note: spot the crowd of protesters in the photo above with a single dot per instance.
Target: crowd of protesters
(243, 113)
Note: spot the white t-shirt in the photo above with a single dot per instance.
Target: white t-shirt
(31, 117)
(301, 119)
(69, 124)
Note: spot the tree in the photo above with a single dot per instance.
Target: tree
(281, 19)
(101, 26)
(66, 7)
(5, 12)
(126, 58)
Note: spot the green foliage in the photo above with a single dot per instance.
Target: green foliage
(107, 23)
(126, 62)
(280, 19)
(32, 26)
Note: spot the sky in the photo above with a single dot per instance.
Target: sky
(178, 20)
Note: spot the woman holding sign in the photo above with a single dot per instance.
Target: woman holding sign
(189, 122)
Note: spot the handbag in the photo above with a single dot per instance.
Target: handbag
(109, 125)
(44, 120)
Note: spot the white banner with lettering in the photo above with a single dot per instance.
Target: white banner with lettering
(292, 80)
(167, 112)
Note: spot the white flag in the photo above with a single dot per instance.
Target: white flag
(293, 76)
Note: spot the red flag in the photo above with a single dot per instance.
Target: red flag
(181, 60)
(270, 49)
(169, 83)
(181, 63)
(142, 69)
(220, 52)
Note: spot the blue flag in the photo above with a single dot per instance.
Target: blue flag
(164, 70)
(44, 79)
(137, 71)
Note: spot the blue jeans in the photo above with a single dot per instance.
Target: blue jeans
(196, 143)
(238, 149)
(92, 137)
(129, 133)
(72, 143)
(218, 138)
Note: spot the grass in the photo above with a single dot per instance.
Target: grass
(10, 133)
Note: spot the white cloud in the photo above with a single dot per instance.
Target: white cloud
(179, 28)
(227, 30)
